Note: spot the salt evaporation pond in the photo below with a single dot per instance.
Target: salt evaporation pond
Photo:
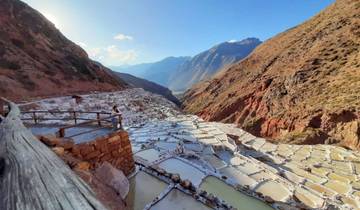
(143, 189)
(186, 171)
(169, 146)
(177, 200)
(238, 177)
(150, 155)
(231, 196)
(214, 161)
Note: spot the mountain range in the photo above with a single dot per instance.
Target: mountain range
(37, 60)
(180, 73)
(206, 64)
(158, 72)
(301, 86)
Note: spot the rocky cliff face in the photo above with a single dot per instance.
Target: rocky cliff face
(302, 86)
(207, 63)
(37, 60)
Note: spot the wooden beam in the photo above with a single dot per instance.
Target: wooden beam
(33, 177)
(2, 111)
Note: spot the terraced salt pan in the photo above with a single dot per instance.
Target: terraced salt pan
(144, 188)
(135, 147)
(194, 147)
(274, 190)
(225, 155)
(177, 200)
(233, 197)
(308, 198)
(166, 145)
(214, 161)
(185, 170)
(149, 155)
(238, 177)
(256, 143)
(248, 168)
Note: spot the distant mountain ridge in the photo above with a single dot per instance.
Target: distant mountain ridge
(209, 62)
(148, 86)
(179, 73)
(36, 60)
(158, 72)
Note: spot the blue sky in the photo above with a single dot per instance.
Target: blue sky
(117, 32)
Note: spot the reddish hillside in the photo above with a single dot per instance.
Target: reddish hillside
(37, 60)
(302, 86)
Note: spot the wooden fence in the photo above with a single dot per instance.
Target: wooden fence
(75, 116)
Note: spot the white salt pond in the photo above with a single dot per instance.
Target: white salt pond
(214, 161)
(238, 177)
(186, 171)
(143, 189)
(149, 155)
(169, 146)
(177, 200)
(231, 196)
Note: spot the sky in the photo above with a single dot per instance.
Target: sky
(123, 32)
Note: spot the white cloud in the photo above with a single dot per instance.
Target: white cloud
(112, 55)
(123, 37)
(232, 41)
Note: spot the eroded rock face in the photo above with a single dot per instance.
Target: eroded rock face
(113, 178)
(37, 60)
(304, 83)
(349, 132)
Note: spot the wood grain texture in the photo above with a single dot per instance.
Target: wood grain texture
(33, 177)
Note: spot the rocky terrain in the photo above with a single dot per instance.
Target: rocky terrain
(37, 60)
(206, 64)
(148, 86)
(301, 86)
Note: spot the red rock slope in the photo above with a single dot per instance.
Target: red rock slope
(37, 60)
(302, 86)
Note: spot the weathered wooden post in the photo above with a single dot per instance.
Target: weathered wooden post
(120, 121)
(62, 133)
(74, 115)
(2, 111)
(35, 118)
(98, 118)
(33, 177)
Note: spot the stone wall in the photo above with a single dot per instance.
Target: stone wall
(114, 148)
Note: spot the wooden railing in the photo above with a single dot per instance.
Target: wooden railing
(89, 122)
(72, 116)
